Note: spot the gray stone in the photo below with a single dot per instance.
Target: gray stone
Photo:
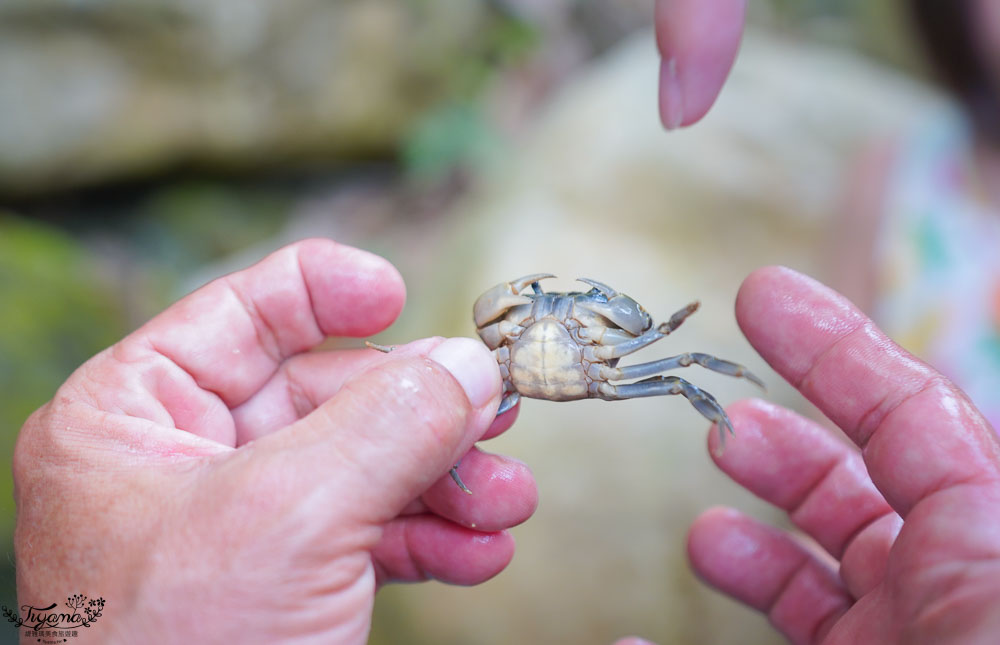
(95, 91)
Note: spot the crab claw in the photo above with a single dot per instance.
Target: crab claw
(608, 292)
(495, 302)
(617, 307)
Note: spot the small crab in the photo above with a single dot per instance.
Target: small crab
(566, 346)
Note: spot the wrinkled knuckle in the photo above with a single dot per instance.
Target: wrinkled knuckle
(298, 393)
(267, 336)
(24, 453)
(38, 445)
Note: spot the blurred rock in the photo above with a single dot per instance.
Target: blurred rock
(93, 91)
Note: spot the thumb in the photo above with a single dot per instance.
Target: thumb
(394, 429)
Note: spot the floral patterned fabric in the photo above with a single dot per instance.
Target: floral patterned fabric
(939, 261)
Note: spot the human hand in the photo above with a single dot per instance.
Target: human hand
(698, 41)
(214, 481)
(909, 524)
(907, 527)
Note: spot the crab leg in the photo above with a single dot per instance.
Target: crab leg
(509, 400)
(682, 360)
(605, 352)
(458, 480)
(704, 402)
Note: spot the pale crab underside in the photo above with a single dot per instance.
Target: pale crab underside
(566, 346)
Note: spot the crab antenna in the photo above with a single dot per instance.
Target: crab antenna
(600, 286)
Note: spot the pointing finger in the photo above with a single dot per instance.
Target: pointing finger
(698, 41)
(919, 434)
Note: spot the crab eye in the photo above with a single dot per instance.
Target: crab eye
(596, 295)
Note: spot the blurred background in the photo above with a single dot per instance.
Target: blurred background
(149, 146)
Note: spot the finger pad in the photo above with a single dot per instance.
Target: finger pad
(461, 556)
(702, 38)
(741, 557)
(791, 319)
(776, 454)
(354, 293)
(428, 547)
(504, 493)
(502, 423)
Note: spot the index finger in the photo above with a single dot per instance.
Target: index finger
(698, 41)
(919, 434)
(229, 337)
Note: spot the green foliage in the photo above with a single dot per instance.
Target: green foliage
(183, 226)
(500, 44)
(457, 132)
(453, 135)
(54, 314)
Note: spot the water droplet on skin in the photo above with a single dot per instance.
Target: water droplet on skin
(408, 385)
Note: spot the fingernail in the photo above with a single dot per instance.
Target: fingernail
(472, 365)
(671, 98)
